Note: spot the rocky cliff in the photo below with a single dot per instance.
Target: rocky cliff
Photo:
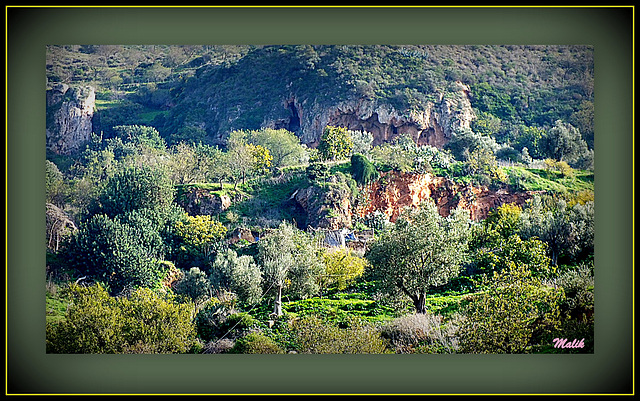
(326, 209)
(395, 191)
(69, 118)
(432, 125)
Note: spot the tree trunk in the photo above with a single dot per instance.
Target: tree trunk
(277, 308)
(419, 302)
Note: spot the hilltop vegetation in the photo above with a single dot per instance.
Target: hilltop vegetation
(162, 240)
(175, 88)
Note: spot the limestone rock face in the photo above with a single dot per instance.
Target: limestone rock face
(199, 201)
(395, 191)
(432, 125)
(329, 210)
(69, 118)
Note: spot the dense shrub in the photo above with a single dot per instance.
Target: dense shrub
(144, 322)
(505, 318)
(194, 285)
(119, 254)
(256, 343)
(362, 170)
(210, 319)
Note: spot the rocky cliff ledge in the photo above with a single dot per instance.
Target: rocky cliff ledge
(69, 118)
(432, 125)
(395, 191)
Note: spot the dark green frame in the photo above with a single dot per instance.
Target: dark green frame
(31, 371)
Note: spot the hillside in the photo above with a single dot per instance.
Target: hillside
(208, 91)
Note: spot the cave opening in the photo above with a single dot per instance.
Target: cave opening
(294, 120)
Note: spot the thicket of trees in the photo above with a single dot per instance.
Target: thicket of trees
(524, 273)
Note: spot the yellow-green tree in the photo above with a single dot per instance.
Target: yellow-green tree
(505, 317)
(342, 267)
(335, 143)
(261, 157)
(197, 237)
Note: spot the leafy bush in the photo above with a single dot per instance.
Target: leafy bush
(196, 238)
(256, 343)
(514, 308)
(194, 285)
(362, 170)
(335, 143)
(144, 322)
(342, 267)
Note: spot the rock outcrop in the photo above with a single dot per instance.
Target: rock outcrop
(69, 118)
(198, 201)
(59, 226)
(395, 191)
(326, 209)
(432, 125)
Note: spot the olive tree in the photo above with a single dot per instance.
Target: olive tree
(289, 261)
(237, 274)
(567, 230)
(421, 252)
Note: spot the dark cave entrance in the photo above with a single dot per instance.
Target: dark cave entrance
(294, 120)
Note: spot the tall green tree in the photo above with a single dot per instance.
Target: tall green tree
(136, 188)
(55, 187)
(189, 163)
(240, 158)
(283, 145)
(563, 142)
(335, 143)
(123, 253)
(420, 253)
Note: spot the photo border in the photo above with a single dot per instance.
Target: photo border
(29, 370)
